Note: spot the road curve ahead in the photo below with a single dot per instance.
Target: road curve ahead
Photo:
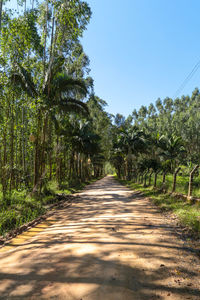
(110, 244)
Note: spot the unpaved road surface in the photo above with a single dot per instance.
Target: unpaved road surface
(110, 244)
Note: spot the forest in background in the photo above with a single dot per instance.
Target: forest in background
(156, 150)
(55, 132)
(159, 138)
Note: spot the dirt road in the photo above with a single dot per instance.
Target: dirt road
(110, 244)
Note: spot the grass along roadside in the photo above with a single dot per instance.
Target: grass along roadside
(181, 184)
(188, 214)
(19, 207)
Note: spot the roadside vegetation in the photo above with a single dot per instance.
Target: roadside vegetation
(55, 134)
(157, 150)
(54, 130)
(20, 207)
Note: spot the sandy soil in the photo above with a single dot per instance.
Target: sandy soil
(110, 244)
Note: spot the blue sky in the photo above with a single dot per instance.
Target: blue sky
(142, 49)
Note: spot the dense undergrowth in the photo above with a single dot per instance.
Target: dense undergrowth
(20, 207)
(187, 213)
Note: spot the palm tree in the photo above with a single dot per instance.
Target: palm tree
(134, 142)
(117, 156)
(172, 149)
(59, 92)
(86, 147)
(128, 143)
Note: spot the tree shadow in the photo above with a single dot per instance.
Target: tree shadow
(106, 245)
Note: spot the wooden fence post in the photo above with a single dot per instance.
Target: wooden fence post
(164, 178)
(163, 181)
(191, 181)
(174, 181)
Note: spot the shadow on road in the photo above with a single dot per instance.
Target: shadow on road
(109, 244)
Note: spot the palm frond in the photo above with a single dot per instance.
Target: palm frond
(73, 105)
(21, 77)
(62, 83)
(55, 66)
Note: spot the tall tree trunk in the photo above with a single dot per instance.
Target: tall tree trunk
(1, 10)
(191, 181)
(164, 180)
(12, 147)
(145, 178)
(174, 180)
(57, 159)
(4, 169)
(45, 37)
(37, 150)
(142, 177)
(155, 179)
(23, 143)
(16, 149)
(52, 32)
(150, 175)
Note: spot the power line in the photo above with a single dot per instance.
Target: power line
(187, 79)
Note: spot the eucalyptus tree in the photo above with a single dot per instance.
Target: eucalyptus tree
(171, 128)
(19, 38)
(43, 69)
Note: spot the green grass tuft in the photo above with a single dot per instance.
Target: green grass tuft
(20, 207)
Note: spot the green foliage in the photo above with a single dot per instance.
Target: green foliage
(18, 209)
(109, 169)
(21, 207)
(53, 139)
(167, 139)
